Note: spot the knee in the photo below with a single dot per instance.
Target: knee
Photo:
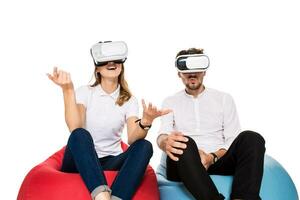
(252, 138)
(143, 146)
(191, 146)
(190, 153)
(79, 136)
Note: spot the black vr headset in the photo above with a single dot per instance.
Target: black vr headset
(190, 63)
(108, 51)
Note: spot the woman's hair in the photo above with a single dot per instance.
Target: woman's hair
(125, 93)
(190, 51)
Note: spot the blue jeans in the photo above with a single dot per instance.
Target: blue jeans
(80, 156)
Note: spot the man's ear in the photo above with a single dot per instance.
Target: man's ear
(179, 74)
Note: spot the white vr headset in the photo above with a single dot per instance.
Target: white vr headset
(108, 51)
(190, 63)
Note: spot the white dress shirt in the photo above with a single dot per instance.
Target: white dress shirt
(210, 119)
(105, 119)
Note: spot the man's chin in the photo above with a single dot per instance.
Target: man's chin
(193, 87)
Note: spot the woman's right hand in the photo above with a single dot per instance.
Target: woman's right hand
(61, 78)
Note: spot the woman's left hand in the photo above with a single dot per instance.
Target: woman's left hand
(151, 112)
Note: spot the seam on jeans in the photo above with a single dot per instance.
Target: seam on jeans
(99, 189)
(115, 198)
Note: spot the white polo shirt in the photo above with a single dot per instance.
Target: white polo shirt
(105, 119)
(210, 119)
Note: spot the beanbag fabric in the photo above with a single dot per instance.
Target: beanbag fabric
(276, 184)
(47, 182)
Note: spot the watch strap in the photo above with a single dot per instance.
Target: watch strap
(215, 157)
(145, 127)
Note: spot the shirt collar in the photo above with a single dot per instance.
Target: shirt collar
(114, 94)
(191, 96)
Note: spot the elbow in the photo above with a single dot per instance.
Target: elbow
(73, 125)
(72, 128)
(130, 141)
(161, 141)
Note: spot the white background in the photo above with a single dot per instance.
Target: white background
(253, 46)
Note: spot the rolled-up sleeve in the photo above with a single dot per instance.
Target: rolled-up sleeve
(231, 123)
(133, 108)
(167, 121)
(81, 95)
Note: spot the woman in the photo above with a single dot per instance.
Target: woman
(95, 116)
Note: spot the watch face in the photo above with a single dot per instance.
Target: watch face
(215, 159)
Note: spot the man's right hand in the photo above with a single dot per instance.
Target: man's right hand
(61, 78)
(174, 145)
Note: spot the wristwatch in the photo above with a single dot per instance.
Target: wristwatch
(215, 159)
(145, 127)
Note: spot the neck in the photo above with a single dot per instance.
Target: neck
(195, 93)
(109, 85)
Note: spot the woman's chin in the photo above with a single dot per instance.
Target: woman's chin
(111, 76)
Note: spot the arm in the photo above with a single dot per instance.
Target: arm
(134, 131)
(74, 113)
(220, 153)
(207, 159)
(150, 112)
(172, 144)
(231, 122)
(170, 141)
(162, 141)
(231, 130)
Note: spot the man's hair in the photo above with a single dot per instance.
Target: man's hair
(190, 51)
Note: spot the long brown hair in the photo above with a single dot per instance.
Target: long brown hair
(125, 93)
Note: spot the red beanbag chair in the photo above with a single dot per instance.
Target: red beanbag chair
(47, 182)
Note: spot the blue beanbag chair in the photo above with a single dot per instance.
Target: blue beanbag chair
(276, 184)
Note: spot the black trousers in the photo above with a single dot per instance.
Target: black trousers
(244, 160)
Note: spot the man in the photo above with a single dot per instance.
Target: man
(202, 136)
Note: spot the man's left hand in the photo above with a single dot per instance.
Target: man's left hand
(206, 159)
